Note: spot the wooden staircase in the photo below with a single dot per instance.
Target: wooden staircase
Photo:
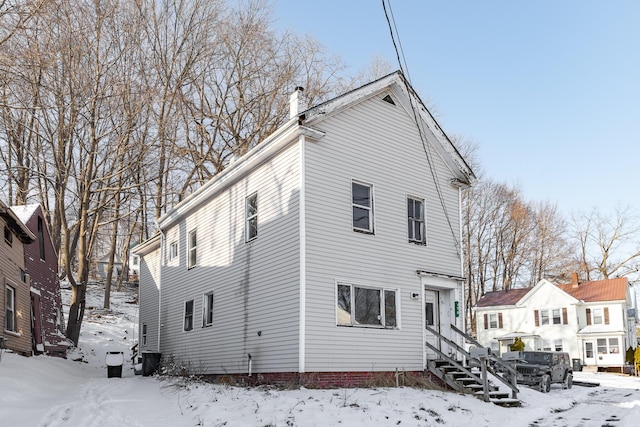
(474, 374)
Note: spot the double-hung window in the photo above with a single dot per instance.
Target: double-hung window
(362, 207)
(415, 216)
(251, 217)
(207, 309)
(366, 306)
(188, 315)
(173, 250)
(144, 334)
(193, 245)
(10, 309)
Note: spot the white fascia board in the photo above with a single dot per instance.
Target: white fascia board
(275, 142)
(147, 246)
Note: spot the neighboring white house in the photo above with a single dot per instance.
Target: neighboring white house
(590, 320)
(323, 250)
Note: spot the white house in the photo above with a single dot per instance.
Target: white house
(590, 320)
(320, 254)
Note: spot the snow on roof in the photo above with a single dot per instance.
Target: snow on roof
(24, 212)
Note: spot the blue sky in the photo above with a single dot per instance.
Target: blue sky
(549, 90)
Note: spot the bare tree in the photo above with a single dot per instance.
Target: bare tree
(607, 244)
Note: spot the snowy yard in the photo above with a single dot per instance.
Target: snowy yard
(50, 392)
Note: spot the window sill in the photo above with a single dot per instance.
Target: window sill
(418, 243)
(13, 333)
(367, 326)
(361, 231)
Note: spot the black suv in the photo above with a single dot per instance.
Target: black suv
(542, 368)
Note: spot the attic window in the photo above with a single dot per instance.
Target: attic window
(389, 99)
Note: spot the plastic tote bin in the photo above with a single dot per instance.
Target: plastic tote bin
(150, 363)
(114, 361)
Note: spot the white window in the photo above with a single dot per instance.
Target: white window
(207, 309)
(613, 345)
(366, 306)
(602, 345)
(493, 321)
(188, 315)
(362, 207)
(544, 317)
(251, 217)
(557, 317)
(558, 345)
(546, 345)
(10, 310)
(415, 215)
(135, 261)
(193, 252)
(173, 250)
(597, 316)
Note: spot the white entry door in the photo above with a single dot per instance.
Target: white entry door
(432, 320)
(589, 353)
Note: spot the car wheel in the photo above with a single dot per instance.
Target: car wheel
(545, 383)
(568, 381)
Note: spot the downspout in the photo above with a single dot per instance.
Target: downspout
(160, 262)
(303, 268)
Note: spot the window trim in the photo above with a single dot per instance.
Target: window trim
(250, 219)
(383, 290)
(188, 315)
(12, 300)
(8, 235)
(207, 310)
(370, 209)
(412, 221)
(173, 254)
(192, 261)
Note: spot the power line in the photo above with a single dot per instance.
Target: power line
(425, 146)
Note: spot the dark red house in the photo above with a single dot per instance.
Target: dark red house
(41, 264)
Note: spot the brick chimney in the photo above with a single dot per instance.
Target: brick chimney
(297, 102)
(574, 280)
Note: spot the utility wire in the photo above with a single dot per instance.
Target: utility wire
(425, 146)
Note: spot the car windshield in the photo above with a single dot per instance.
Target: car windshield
(533, 357)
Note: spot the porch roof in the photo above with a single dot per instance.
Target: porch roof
(599, 330)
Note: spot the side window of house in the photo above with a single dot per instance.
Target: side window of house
(8, 236)
(366, 306)
(188, 315)
(598, 316)
(173, 250)
(493, 321)
(362, 207)
(546, 317)
(144, 334)
(41, 238)
(251, 217)
(415, 216)
(193, 249)
(10, 309)
(207, 309)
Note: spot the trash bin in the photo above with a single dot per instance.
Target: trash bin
(577, 366)
(150, 363)
(114, 361)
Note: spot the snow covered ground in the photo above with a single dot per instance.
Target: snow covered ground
(50, 392)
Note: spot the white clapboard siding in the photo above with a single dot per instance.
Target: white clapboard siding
(254, 285)
(149, 292)
(376, 143)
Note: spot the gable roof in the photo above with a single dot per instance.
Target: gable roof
(18, 227)
(397, 83)
(510, 297)
(25, 212)
(598, 290)
(593, 291)
(301, 124)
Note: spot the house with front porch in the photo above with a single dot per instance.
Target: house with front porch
(321, 255)
(592, 320)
